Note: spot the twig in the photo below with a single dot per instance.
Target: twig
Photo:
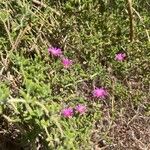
(148, 36)
(8, 33)
(44, 5)
(131, 19)
(39, 3)
(141, 145)
(19, 37)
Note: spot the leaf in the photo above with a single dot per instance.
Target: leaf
(4, 15)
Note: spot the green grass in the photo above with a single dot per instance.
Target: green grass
(34, 86)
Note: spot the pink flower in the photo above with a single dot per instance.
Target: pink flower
(55, 51)
(120, 56)
(67, 112)
(81, 109)
(66, 62)
(100, 93)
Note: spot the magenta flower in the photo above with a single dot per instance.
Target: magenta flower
(120, 56)
(100, 93)
(67, 112)
(66, 62)
(55, 51)
(81, 109)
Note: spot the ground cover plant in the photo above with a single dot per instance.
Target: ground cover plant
(74, 74)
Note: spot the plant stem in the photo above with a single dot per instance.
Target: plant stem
(131, 19)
